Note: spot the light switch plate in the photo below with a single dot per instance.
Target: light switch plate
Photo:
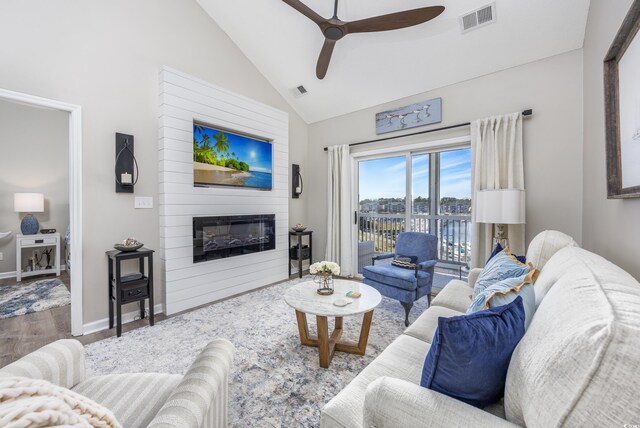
(143, 202)
(1, 257)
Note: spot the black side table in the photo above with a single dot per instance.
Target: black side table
(299, 252)
(135, 287)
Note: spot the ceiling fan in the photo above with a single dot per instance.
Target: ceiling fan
(334, 29)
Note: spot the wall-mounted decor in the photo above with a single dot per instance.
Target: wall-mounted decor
(297, 185)
(223, 158)
(126, 168)
(419, 114)
(622, 105)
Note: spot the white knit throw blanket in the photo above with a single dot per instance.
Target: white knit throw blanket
(34, 403)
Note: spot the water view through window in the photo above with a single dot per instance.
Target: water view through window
(439, 185)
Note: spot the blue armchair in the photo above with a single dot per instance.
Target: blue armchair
(400, 283)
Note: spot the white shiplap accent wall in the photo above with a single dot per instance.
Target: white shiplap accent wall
(183, 99)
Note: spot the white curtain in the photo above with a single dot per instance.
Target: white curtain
(497, 163)
(341, 242)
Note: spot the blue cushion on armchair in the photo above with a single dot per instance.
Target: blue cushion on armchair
(397, 276)
(470, 354)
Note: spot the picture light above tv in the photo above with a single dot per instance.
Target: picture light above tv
(225, 158)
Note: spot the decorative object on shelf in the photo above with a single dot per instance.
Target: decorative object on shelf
(324, 272)
(47, 231)
(500, 207)
(622, 109)
(28, 203)
(126, 168)
(419, 114)
(333, 29)
(129, 244)
(297, 186)
(299, 228)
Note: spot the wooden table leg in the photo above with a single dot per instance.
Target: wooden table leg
(323, 341)
(361, 347)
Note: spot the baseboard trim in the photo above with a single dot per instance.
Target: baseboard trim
(103, 324)
(12, 274)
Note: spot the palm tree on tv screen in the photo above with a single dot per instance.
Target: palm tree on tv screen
(222, 144)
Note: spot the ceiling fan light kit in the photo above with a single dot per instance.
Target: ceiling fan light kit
(335, 29)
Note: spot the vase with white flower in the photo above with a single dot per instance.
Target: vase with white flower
(323, 276)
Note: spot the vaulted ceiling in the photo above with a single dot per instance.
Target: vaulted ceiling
(373, 68)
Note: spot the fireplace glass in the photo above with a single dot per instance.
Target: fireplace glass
(227, 236)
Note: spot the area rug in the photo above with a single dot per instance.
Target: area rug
(20, 299)
(274, 382)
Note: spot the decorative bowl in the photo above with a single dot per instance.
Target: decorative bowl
(299, 228)
(127, 248)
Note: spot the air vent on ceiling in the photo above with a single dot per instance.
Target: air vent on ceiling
(299, 91)
(478, 18)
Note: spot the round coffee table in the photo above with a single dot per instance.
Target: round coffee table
(305, 300)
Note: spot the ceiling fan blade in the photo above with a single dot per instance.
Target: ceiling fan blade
(305, 10)
(325, 58)
(394, 21)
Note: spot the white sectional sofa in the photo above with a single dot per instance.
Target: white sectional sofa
(578, 364)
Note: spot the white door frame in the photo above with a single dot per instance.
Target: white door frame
(75, 193)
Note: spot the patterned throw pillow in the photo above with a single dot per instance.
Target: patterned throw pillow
(502, 266)
(505, 291)
(498, 248)
(406, 262)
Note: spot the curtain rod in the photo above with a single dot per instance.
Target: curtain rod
(527, 112)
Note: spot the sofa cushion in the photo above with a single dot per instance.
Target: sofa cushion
(503, 265)
(455, 295)
(577, 364)
(402, 359)
(425, 326)
(469, 356)
(133, 398)
(504, 292)
(545, 244)
(396, 276)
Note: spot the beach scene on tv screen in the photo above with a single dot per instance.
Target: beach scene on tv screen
(228, 159)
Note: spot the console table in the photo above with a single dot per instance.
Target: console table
(35, 241)
(299, 252)
(133, 287)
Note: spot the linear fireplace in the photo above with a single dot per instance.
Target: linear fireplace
(227, 236)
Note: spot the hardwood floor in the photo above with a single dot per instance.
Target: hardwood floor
(26, 333)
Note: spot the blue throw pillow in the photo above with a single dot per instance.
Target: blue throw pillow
(505, 291)
(470, 354)
(498, 248)
(502, 266)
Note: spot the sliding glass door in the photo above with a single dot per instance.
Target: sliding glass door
(417, 191)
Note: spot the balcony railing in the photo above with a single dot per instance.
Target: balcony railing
(453, 232)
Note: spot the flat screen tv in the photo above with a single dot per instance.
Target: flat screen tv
(223, 158)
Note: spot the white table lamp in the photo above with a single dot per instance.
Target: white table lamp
(28, 203)
(500, 207)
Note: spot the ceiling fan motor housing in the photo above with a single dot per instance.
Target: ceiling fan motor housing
(333, 33)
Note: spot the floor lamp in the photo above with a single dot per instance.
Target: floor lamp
(500, 207)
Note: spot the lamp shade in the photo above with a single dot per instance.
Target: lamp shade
(505, 206)
(28, 202)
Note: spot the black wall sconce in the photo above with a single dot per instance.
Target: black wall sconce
(126, 169)
(296, 181)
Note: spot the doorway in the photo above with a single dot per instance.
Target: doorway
(420, 190)
(75, 193)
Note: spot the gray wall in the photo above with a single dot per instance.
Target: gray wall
(106, 56)
(552, 137)
(610, 227)
(34, 158)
